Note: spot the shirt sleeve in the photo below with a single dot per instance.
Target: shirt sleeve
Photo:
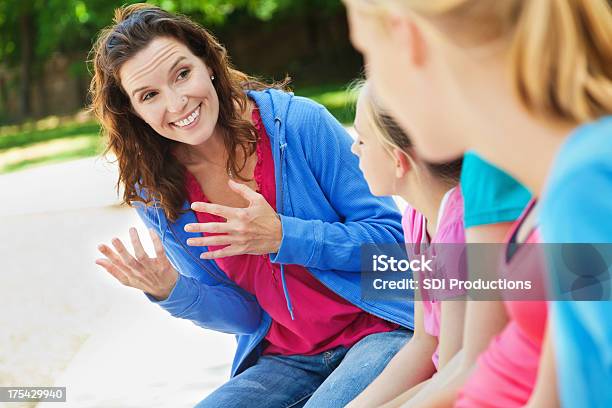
(490, 195)
(220, 306)
(365, 219)
(577, 209)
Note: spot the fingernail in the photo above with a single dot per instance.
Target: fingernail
(188, 228)
(190, 241)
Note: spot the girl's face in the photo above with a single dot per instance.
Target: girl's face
(171, 90)
(376, 163)
(410, 78)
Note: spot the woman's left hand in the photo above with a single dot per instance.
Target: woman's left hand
(255, 229)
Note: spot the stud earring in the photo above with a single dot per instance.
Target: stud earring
(212, 77)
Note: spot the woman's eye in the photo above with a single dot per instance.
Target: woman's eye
(148, 95)
(183, 74)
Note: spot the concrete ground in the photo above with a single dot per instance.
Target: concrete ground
(66, 322)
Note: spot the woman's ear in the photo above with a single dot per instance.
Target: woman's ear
(409, 36)
(401, 163)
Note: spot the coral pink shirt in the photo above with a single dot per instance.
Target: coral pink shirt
(449, 231)
(506, 371)
(323, 320)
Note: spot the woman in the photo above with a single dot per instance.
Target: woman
(270, 180)
(434, 216)
(518, 78)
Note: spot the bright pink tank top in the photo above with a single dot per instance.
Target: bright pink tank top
(506, 371)
(323, 320)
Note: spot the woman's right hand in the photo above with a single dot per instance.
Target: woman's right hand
(155, 276)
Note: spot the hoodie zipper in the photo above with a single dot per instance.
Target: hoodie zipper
(281, 208)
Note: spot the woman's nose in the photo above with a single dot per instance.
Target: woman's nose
(176, 102)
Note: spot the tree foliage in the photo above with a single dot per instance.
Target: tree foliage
(31, 31)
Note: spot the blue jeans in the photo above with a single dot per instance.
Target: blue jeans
(330, 379)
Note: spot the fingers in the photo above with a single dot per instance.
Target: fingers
(113, 257)
(113, 270)
(222, 253)
(216, 209)
(157, 244)
(214, 227)
(126, 257)
(139, 251)
(215, 240)
(114, 265)
(245, 191)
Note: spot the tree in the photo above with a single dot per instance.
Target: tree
(32, 30)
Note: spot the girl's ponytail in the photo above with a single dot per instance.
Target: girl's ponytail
(562, 58)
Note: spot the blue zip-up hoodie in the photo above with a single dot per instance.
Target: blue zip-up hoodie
(326, 210)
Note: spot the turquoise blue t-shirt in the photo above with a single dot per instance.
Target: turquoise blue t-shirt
(490, 195)
(576, 207)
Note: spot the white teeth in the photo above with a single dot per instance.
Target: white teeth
(189, 119)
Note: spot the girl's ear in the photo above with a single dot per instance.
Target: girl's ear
(409, 35)
(401, 163)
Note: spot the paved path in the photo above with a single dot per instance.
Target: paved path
(66, 322)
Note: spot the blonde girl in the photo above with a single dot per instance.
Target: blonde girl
(518, 81)
(434, 215)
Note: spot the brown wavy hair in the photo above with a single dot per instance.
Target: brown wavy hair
(148, 169)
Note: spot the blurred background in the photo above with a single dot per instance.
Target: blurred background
(63, 320)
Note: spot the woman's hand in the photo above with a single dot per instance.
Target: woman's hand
(155, 276)
(253, 230)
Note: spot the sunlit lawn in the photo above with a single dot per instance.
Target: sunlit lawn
(51, 140)
(336, 98)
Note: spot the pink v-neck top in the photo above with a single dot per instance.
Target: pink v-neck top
(506, 371)
(323, 320)
(449, 231)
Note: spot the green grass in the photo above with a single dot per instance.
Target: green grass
(37, 147)
(28, 138)
(335, 97)
(21, 149)
(88, 151)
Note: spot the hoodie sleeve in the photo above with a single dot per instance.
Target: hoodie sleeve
(364, 218)
(219, 306)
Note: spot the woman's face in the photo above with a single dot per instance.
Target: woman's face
(171, 90)
(409, 77)
(375, 162)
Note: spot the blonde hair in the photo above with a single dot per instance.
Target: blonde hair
(561, 52)
(391, 136)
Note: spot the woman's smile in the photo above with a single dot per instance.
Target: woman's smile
(189, 121)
